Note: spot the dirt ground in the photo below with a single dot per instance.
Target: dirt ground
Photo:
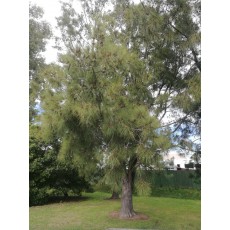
(138, 216)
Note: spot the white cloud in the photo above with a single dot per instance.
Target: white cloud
(178, 159)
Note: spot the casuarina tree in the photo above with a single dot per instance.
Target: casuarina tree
(114, 84)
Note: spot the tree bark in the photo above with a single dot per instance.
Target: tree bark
(115, 195)
(126, 198)
(65, 194)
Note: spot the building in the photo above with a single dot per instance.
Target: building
(173, 159)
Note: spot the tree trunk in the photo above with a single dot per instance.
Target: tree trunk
(65, 194)
(126, 199)
(115, 195)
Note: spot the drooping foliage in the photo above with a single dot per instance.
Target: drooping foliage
(166, 34)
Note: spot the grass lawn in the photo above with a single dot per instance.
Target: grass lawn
(93, 214)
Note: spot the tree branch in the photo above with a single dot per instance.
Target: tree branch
(198, 63)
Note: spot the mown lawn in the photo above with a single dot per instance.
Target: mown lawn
(93, 214)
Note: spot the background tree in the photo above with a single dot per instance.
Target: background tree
(39, 33)
(48, 175)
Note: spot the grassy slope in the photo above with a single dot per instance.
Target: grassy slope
(93, 214)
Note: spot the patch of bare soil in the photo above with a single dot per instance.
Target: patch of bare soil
(138, 216)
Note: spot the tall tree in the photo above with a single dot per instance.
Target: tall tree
(122, 70)
(39, 33)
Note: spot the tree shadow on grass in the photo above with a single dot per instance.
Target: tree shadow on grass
(65, 199)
